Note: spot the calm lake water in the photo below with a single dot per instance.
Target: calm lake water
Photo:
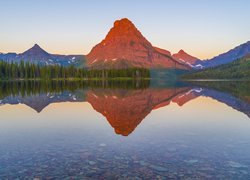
(140, 130)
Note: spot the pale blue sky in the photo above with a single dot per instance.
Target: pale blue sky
(203, 28)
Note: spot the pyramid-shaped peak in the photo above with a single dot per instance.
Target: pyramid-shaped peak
(35, 50)
(124, 46)
(126, 29)
(124, 26)
(183, 56)
(36, 46)
(182, 52)
(123, 22)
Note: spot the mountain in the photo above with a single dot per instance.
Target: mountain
(192, 61)
(234, 54)
(35, 52)
(39, 56)
(238, 69)
(125, 46)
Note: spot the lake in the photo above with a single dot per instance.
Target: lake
(136, 130)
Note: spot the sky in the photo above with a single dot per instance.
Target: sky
(203, 28)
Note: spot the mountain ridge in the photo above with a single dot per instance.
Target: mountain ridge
(123, 47)
(37, 55)
(236, 53)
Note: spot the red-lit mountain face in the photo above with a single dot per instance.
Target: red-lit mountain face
(185, 57)
(125, 46)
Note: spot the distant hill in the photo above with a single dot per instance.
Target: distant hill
(230, 56)
(39, 56)
(238, 69)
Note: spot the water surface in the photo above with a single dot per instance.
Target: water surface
(125, 130)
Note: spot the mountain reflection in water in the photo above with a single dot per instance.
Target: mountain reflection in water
(123, 104)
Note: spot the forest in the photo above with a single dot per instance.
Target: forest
(17, 71)
(238, 70)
